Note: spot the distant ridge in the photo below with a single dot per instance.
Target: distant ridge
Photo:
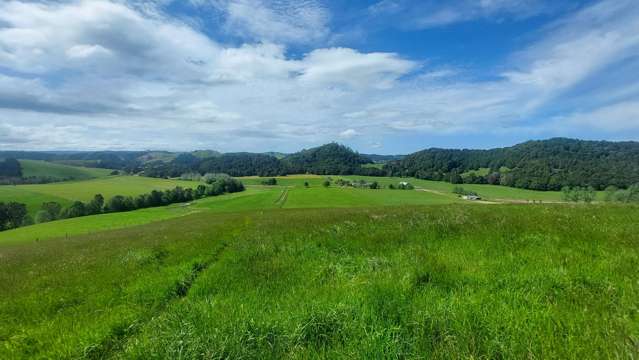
(539, 165)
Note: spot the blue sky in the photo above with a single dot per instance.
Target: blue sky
(382, 76)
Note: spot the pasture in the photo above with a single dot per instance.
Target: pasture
(295, 271)
(490, 192)
(254, 198)
(67, 192)
(440, 281)
(37, 168)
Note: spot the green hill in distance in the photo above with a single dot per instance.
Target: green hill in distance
(39, 168)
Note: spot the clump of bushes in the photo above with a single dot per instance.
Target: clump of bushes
(269, 182)
(578, 193)
(463, 192)
(13, 215)
(629, 195)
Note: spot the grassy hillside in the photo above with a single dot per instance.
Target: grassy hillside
(257, 197)
(254, 198)
(66, 192)
(453, 281)
(60, 171)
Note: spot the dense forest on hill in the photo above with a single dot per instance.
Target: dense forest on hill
(326, 159)
(539, 165)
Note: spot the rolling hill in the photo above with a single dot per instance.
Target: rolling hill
(539, 165)
(39, 168)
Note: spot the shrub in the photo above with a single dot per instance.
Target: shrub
(269, 182)
(43, 216)
(76, 209)
(53, 210)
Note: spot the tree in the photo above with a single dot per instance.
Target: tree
(200, 191)
(53, 210)
(156, 198)
(141, 201)
(76, 209)
(96, 205)
(374, 185)
(306, 184)
(326, 183)
(610, 193)
(569, 194)
(4, 216)
(588, 194)
(42, 217)
(455, 178)
(117, 204)
(269, 182)
(493, 178)
(15, 214)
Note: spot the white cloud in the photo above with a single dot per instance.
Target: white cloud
(288, 21)
(429, 13)
(152, 75)
(618, 117)
(39, 38)
(347, 66)
(349, 134)
(99, 74)
(86, 51)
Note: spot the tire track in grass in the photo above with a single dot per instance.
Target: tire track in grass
(120, 334)
(282, 199)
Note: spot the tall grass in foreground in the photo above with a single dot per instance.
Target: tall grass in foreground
(404, 282)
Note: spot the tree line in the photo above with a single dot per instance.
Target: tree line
(15, 215)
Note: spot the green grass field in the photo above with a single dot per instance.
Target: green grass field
(290, 189)
(67, 192)
(290, 271)
(490, 192)
(441, 281)
(254, 198)
(60, 171)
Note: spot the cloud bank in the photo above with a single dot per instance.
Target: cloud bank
(116, 74)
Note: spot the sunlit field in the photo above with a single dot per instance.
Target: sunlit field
(439, 281)
(68, 191)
